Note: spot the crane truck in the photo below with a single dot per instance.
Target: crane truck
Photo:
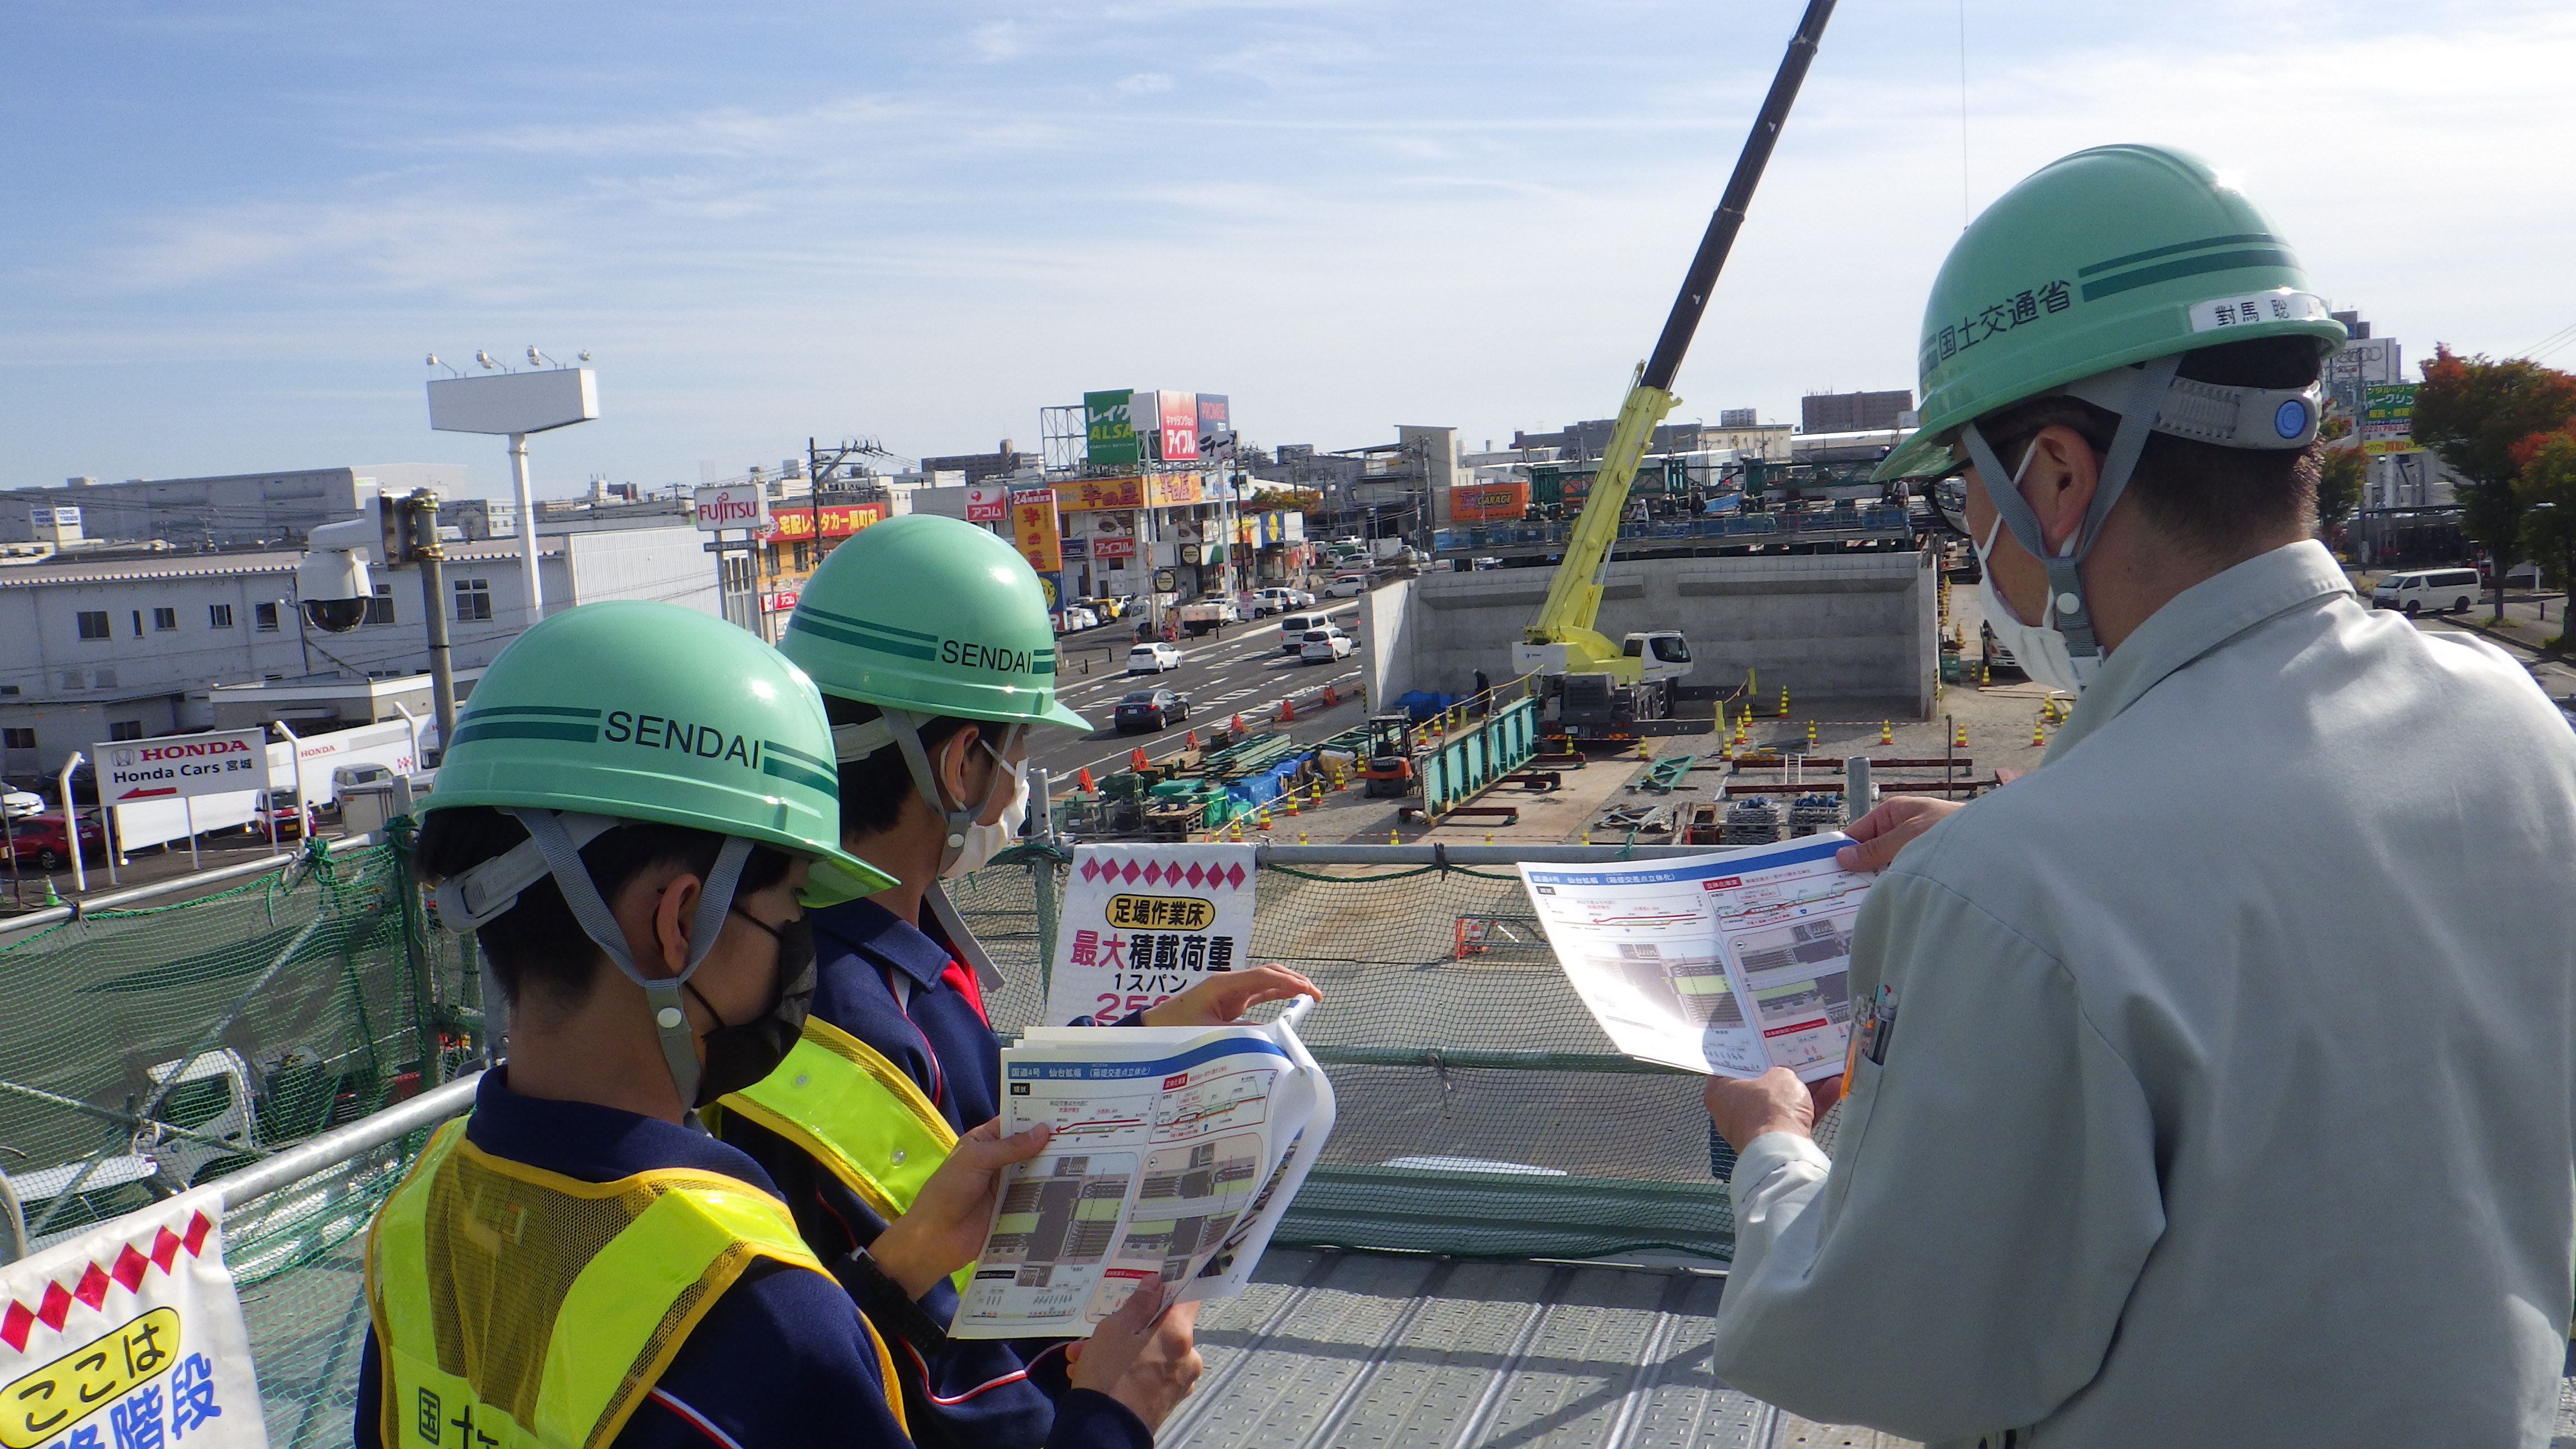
(1591, 688)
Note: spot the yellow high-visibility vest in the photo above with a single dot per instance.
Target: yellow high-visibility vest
(858, 1114)
(536, 1309)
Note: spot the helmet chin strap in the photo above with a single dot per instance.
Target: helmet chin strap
(661, 994)
(2065, 581)
(905, 727)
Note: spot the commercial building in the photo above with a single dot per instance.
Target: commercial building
(237, 509)
(1005, 461)
(126, 644)
(1854, 412)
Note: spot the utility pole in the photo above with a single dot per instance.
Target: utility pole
(421, 545)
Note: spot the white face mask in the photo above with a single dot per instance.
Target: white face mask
(2040, 649)
(984, 841)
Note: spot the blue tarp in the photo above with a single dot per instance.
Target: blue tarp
(1422, 704)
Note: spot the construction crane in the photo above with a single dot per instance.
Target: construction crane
(1594, 687)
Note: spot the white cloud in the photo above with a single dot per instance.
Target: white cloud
(999, 40)
(1144, 83)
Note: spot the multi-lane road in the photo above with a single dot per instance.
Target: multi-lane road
(1246, 671)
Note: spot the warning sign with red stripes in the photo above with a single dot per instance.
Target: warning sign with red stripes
(129, 1335)
(1143, 923)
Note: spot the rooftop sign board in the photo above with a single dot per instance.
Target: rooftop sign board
(514, 402)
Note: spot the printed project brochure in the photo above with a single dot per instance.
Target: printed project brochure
(1729, 963)
(1175, 1153)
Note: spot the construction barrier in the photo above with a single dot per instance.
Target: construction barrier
(1475, 758)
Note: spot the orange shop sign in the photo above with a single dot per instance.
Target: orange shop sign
(795, 525)
(1033, 528)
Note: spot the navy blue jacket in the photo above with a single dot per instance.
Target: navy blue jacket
(780, 1360)
(980, 1392)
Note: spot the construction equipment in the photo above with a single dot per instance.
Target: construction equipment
(1593, 688)
(1386, 756)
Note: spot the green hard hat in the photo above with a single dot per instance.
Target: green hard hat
(2106, 258)
(649, 711)
(932, 615)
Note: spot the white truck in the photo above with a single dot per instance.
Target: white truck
(329, 761)
(1200, 615)
(216, 1100)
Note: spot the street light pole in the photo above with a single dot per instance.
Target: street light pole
(527, 539)
(420, 514)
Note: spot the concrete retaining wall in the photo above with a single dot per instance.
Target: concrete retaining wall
(1829, 626)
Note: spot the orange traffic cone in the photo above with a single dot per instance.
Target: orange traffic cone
(1082, 782)
(1887, 732)
(1190, 740)
(1962, 740)
(1237, 726)
(1261, 822)
(1136, 759)
(1291, 797)
(1287, 709)
(2038, 736)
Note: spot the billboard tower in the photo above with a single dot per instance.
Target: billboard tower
(516, 404)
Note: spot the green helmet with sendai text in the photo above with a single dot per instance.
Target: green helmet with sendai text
(932, 616)
(652, 712)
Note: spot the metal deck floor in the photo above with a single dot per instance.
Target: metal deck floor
(1351, 1349)
(1339, 1349)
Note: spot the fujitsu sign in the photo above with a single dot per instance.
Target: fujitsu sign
(734, 505)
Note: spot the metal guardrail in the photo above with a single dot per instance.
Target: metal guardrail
(345, 1144)
(176, 885)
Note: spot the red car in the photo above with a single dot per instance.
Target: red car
(40, 839)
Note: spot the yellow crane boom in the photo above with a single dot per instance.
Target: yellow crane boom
(1561, 638)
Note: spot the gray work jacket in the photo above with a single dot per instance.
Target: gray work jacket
(2231, 1085)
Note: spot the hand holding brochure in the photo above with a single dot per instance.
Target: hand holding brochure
(1175, 1153)
(1729, 963)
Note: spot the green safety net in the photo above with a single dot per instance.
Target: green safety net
(154, 1049)
(1482, 1112)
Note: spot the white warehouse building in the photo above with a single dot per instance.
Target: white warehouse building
(131, 646)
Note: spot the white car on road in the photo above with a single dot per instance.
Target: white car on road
(1154, 658)
(1323, 646)
(18, 804)
(1346, 586)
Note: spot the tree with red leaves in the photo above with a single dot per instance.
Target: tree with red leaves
(2474, 411)
(2546, 486)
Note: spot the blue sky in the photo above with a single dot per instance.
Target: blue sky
(229, 233)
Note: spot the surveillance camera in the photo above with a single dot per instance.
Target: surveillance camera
(331, 580)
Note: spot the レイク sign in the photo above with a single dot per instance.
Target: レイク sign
(733, 505)
(177, 767)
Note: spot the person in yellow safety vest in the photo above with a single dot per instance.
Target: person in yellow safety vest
(577, 1263)
(930, 640)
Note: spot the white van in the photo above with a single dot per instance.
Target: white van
(1293, 629)
(2430, 591)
